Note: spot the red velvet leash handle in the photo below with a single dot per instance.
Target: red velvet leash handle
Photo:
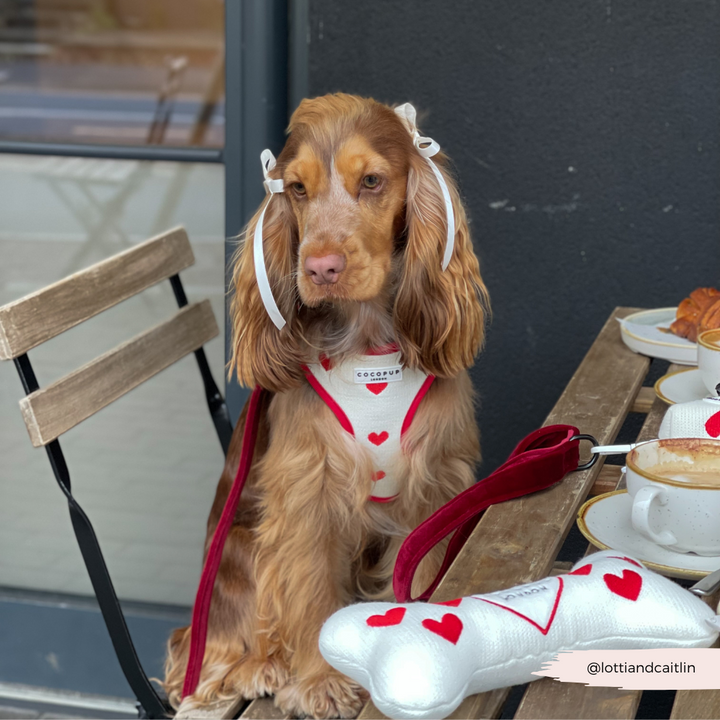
(201, 609)
(542, 459)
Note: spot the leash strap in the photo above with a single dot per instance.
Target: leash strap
(201, 609)
(542, 459)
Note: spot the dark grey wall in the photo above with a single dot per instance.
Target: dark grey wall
(585, 137)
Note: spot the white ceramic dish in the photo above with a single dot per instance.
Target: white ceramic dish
(605, 522)
(642, 334)
(681, 387)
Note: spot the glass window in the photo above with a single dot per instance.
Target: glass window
(129, 72)
(145, 468)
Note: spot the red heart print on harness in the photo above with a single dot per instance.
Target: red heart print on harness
(628, 586)
(449, 628)
(376, 388)
(584, 570)
(712, 426)
(325, 361)
(376, 439)
(379, 475)
(393, 616)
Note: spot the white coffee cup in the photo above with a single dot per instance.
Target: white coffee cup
(675, 486)
(709, 359)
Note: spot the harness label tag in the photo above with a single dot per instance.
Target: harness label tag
(365, 376)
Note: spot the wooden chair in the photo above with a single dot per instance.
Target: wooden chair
(53, 410)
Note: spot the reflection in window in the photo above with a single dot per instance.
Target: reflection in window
(130, 72)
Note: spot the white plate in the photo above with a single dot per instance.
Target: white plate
(641, 333)
(681, 387)
(605, 522)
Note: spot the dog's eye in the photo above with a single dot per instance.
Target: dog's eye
(299, 188)
(371, 181)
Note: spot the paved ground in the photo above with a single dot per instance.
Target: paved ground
(145, 468)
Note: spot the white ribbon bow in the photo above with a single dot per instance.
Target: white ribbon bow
(427, 147)
(273, 186)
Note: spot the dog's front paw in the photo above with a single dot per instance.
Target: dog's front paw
(258, 676)
(326, 695)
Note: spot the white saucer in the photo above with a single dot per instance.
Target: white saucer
(642, 333)
(681, 387)
(605, 522)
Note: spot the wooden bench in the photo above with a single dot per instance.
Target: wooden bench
(518, 541)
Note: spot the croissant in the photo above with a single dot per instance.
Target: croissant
(697, 313)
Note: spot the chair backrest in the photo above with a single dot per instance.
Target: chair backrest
(26, 323)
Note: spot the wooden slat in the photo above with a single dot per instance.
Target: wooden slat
(607, 480)
(55, 409)
(644, 400)
(516, 542)
(699, 704)
(264, 709)
(221, 710)
(696, 705)
(42, 315)
(548, 698)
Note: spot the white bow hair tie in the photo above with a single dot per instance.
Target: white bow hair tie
(426, 146)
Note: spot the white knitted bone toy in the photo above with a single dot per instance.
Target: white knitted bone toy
(421, 660)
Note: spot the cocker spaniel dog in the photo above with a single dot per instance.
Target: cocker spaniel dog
(369, 426)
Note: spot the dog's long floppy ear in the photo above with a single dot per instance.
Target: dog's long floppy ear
(262, 354)
(439, 314)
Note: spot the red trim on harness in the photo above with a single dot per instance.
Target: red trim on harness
(329, 401)
(382, 499)
(416, 403)
(388, 349)
(201, 609)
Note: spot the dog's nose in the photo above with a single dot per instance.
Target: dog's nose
(325, 270)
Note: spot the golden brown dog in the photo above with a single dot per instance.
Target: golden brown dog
(353, 248)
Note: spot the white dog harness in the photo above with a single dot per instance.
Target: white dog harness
(374, 399)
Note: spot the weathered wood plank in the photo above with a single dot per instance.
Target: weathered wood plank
(644, 400)
(548, 698)
(221, 710)
(40, 316)
(607, 480)
(517, 541)
(698, 704)
(264, 709)
(484, 705)
(55, 409)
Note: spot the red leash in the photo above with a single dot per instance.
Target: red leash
(542, 459)
(201, 609)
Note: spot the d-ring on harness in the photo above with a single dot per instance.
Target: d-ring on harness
(426, 146)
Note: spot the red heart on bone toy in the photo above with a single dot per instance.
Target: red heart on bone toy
(378, 439)
(712, 425)
(584, 570)
(393, 616)
(628, 586)
(449, 628)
